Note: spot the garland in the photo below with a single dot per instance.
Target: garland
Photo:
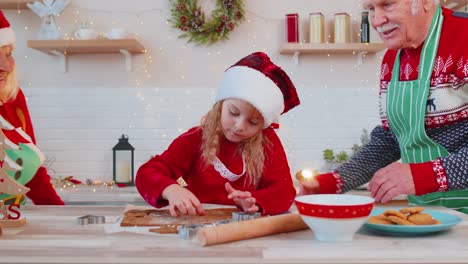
(187, 16)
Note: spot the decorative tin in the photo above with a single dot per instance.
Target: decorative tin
(292, 27)
(342, 28)
(316, 28)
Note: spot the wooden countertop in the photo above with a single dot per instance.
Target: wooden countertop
(51, 235)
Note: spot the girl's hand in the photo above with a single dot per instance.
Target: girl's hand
(242, 199)
(182, 201)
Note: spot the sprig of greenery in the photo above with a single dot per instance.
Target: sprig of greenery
(341, 157)
(329, 156)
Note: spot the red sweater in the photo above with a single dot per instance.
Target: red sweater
(274, 194)
(17, 114)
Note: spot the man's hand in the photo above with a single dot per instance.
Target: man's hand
(391, 181)
(182, 201)
(243, 199)
(309, 187)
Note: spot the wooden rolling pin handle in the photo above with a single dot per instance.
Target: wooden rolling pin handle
(249, 229)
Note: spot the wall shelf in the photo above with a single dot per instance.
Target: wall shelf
(330, 48)
(14, 4)
(63, 48)
(323, 48)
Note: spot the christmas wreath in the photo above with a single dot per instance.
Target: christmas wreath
(188, 17)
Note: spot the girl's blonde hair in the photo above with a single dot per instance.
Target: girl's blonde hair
(11, 88)
(252, 150)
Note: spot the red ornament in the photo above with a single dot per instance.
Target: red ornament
(292, 28)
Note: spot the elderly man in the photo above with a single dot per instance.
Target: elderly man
(19, 156)
(423, 107)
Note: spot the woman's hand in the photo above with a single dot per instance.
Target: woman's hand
(182, 201)
(242, 199)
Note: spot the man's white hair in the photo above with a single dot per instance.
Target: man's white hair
(415, 4)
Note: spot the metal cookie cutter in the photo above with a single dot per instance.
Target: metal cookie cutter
(188, 231)
(242, 216)
(222, 222)
(91, 219)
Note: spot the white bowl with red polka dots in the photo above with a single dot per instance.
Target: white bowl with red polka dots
(334, 217)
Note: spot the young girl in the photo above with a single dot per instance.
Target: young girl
(234, 157)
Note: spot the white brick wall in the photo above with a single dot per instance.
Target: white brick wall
(78, 126)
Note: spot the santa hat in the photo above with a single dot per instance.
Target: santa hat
(7, 36)
(257, 80)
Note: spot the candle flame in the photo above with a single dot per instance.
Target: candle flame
(307, 174)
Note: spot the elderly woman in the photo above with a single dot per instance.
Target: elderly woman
(19, 156)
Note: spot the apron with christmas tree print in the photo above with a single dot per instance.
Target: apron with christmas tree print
(406, 107)
(19, 157)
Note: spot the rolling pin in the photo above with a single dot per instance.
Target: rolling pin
(212, 235)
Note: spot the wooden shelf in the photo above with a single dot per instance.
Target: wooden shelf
(88, 46)
(330, 48)
(454, 4)
(63, 48)
(14, 4)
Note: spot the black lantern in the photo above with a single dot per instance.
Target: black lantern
(123, 162)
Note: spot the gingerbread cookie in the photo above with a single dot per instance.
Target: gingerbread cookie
(379, 219)
(404, 216)
(165, 229)
(421, 219)
(391, 212)
(412, 210)
(154, 217)
(399, 221)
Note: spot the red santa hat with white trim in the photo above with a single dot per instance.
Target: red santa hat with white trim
(257, 80)
(7, 36)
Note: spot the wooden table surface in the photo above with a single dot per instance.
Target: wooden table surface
(52, 235)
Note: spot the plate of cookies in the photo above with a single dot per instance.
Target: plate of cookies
(410, 220)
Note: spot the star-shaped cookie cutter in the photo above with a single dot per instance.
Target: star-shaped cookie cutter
(91, 219)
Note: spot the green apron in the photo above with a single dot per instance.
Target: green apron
(406, 110)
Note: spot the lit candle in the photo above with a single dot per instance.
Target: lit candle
(123, 172)
(306, 175)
